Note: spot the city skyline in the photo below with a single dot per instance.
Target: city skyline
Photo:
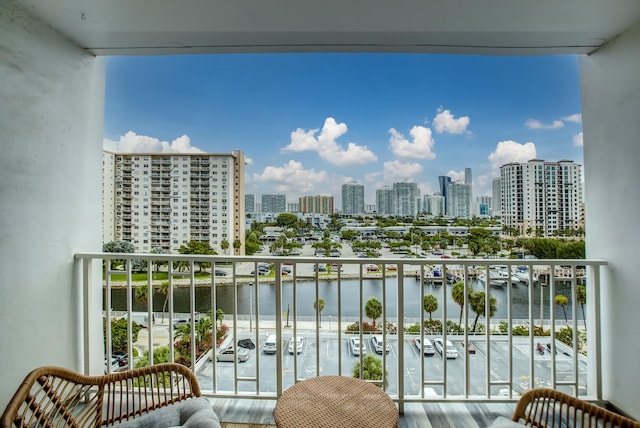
(310, 123)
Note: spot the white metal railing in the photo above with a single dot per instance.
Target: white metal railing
(504, 363)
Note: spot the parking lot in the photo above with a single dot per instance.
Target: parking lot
(331, 355)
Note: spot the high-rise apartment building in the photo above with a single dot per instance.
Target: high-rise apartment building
(316, 204)
(434, 205)
(405, 199)
(274, 204)
(467, 176)
(165, 200)
(541, 196)
(250, 203)
(384, 200)
(458, 200)
(496, 200)
(483, 206)
(352, 198)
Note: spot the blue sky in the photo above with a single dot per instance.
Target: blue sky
(308, 123)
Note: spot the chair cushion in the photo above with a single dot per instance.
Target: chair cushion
(192, 413)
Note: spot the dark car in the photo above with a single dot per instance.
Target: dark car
(122, 359)
(220, 272)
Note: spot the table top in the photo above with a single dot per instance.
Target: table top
(335, 401)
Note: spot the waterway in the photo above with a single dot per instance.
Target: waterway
(305, 295)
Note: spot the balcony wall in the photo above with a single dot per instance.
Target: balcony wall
(611, 115)
(51, 116)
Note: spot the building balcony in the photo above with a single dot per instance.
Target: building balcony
(526, 341)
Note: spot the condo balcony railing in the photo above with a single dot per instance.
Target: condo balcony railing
(510, 324)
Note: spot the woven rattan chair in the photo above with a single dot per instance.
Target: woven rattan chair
(57, 397)
(545, 407)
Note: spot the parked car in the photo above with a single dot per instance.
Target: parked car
(449, 350)
(378, 344)
(262, 270)
(470, 348)
(321, 267)
(122, 359)
(220, 272)
(392, 267)
(295, 346)
(357, 347)
(229, 352)
(426, 348)
(270, 345)
(178, 323)
(113, 363)
(372, 268)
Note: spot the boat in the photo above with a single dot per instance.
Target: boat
(497, 277)
(521, 274)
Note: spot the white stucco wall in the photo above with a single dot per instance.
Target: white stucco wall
(51, 115)
(610, 81)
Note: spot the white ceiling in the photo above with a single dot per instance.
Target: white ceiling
(495, 27)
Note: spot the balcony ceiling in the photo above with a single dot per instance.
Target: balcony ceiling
(493, 27)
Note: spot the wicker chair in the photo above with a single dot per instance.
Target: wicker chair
(545, 407)
(54, 396)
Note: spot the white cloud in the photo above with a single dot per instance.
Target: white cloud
(575, 118)
(456, 175)
(327, 146)
(577, 140)
(420, 148)
(397, 171)
(536, 124)
(134, 143)
(248, 161)
(510, 151)
(290, 178)
(446, 122)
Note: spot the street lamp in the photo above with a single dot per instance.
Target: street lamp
(250, 308)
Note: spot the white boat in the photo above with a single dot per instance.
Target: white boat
(497, 277)
(522, 275)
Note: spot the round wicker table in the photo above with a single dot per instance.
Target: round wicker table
(335, 401)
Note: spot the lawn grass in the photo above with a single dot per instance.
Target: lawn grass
(157, 276)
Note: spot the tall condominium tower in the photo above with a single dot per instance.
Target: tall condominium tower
(443, 182)
(496, 201)
(274, 204)
(467, 176)
(352, 198)
(316, 205)
(384, 200)
(434, 205)
(541, 196)
(405, 199)
(164, 200)
(458, 200)
(250, 203)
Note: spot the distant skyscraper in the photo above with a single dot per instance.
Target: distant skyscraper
(467, 176)
(540, 195)
(352, 198)
(483, 206)
(384, 200)
(434, 205)
(316, 205)
(405, 199)
(496, 206)
(249, 203)
(274, 203)
(458, 200)
(444, 181)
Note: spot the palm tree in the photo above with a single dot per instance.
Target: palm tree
(203, 329)
(373, 309)
(562, 301)
(371, 369)
(477, 302)
(237, 244)
(318, 306)
(141, 293)
(581, 296)
(457, 294)
(224, 245)
(163, 288)
(430, 304)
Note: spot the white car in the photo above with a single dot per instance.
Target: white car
(357, 347)
(270, 345)
(427, 348)
(295, 346)
(378, 344)
(450, 351)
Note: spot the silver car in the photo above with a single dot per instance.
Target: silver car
(378, 344)
(449, 350)
(357, 347)
(426, 348)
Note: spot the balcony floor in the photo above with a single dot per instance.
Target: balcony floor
(424, 415)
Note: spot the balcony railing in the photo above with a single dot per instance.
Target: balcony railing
(522, 336)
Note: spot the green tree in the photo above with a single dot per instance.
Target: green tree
(457, 294)
(141, 293)
(224, 245)
(160, 355)
(371, 369)
(198, 247)
(119, 247)
(287, 220)
(204, 329)
(120, 334)
(236, 245)
(430, 304)
(581, 297)
(477, 303)
(318, 306)
(159, 263)
(373, 309)
(562, 301)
